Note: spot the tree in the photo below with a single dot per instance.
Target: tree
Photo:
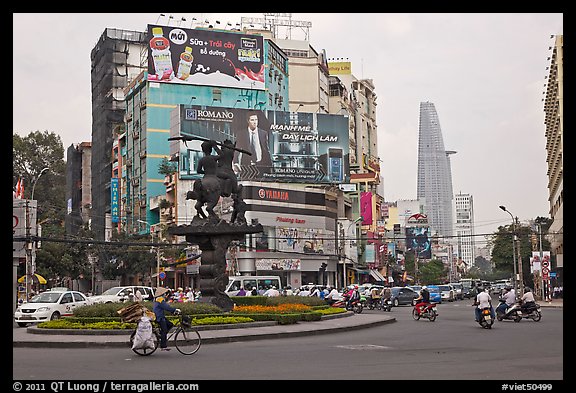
(167, 167)
(433, 271)
(31, 154)
(501, 242)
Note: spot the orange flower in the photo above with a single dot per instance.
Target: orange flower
(286, 308)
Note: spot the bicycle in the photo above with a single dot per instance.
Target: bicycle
(187, 339)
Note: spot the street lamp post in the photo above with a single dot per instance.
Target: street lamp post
(157, 254)
(30, 254)
(517, 269)
(356, 221)
(36, 181)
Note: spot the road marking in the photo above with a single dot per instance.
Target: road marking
(364, 347)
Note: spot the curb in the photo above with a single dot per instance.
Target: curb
(84, 341)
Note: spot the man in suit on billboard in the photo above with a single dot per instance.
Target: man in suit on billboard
(255, 140)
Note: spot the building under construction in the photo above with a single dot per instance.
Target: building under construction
(117, 58)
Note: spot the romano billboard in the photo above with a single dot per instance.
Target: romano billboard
(274, 146)
(205, 57)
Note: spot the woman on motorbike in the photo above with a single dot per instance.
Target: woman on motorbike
(385, 295)
(353, 295)
(422, 300)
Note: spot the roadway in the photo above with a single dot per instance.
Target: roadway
(454, 347)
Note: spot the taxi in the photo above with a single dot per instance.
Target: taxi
(49, 305)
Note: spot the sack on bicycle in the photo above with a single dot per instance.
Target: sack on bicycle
(143, 339)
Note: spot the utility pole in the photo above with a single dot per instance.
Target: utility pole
(543, 290)
(28, 251)
(519, 259)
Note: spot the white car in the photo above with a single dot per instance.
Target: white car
(120, 294)
(48, 306)
(447, 292)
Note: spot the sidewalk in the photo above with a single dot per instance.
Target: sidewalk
(39, 338)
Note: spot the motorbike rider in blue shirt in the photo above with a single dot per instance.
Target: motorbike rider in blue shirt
(509, 297)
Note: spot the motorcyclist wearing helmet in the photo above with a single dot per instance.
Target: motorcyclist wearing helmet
(483, 300)
(423, 299)
(509, 297)
(528, 300)
(353, 296)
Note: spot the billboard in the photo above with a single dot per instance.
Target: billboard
(205, 57)
(114, 199)
(340, 67)
(417, 240)
(23, 223)
(366, 207)
(274, 146)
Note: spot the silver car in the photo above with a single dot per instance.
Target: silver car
(447, 292)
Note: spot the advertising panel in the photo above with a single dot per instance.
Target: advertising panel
(535, 262)
(366, 207)
(273, 146)
(23, 223)
(417, 240)
(340, 67)
(305, 240)
(205, 57)
(278, 264)
(114, 204)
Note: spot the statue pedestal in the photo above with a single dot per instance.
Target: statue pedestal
(213, 239)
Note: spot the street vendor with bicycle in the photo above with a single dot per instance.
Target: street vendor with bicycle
(160, 306)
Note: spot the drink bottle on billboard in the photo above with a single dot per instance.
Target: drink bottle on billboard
(161, 56)
(185, 64)
(335, 165)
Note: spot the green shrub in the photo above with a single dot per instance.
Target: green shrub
(219, 320)
(66, 323)
(274, 301)
(330, 310)
(111, 309)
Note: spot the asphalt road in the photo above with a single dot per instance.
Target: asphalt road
(454, 347)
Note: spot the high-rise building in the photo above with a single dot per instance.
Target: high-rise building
(554, 121)
(434, 172)
(464, 228)
(118, 57)
(78, 186)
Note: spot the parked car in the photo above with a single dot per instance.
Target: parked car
(435, 293)
(447, 292)
(49, 305)
(403, 296)
(120, 294)
(458, 290)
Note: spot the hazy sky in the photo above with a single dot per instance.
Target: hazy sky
(484, 72)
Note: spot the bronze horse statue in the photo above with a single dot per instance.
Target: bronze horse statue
(219, 179)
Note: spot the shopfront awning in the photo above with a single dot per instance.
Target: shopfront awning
(377, 276)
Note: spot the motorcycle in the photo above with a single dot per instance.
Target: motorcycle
(532, 311)
(429, 311)
(357, 306)
(511, 313)
(486, 320)
(372, 303)
(385, 305)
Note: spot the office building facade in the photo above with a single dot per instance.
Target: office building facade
(434, 172)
